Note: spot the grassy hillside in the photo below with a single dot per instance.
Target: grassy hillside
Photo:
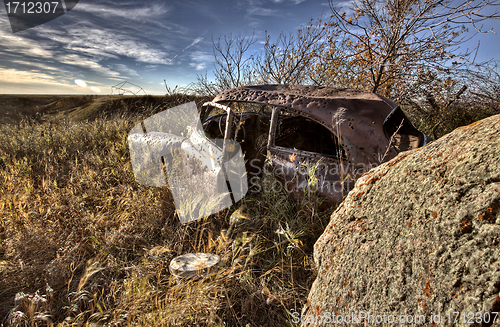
(81, 242)
(42, 108)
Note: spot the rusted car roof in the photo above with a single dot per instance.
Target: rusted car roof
(317, 101)
(290, 95)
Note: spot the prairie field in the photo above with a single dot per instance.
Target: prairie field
(81, 243)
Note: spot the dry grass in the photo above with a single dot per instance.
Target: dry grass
(81, 242)
(441, 120)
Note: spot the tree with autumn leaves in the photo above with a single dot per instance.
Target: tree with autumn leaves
(408, 50)
(398, 48)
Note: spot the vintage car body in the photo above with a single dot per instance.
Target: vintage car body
(315, 137)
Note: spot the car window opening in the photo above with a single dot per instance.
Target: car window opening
(295, 132)
(292, 132)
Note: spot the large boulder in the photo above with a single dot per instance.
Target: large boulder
(418, 237)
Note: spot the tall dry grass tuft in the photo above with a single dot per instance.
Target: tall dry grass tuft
(81, 242)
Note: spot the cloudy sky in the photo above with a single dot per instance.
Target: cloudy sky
(106, 42)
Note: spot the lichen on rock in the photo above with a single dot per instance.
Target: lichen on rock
(418, 235)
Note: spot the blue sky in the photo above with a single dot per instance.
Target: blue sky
(105, 42)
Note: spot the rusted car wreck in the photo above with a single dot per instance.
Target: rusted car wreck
(319, 137)
(314, 139)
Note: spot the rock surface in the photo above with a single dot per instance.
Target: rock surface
(418, 236)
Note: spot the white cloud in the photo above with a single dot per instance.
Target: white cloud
(93, 42)
(260, 11)
(295, 2)
(18, 76)
(105, 44)
(48, 58)
(126, 70)
(201, 60)
(35, 64)
(83, 62)
(52, 52)
(22, 45)
(13, 81)
(136, 14)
